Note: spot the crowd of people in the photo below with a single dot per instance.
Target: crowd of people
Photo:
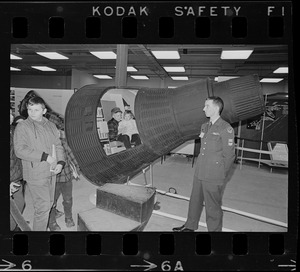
(41, 159)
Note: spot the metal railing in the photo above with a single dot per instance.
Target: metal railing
(259, 151)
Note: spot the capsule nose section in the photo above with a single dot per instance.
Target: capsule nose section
(242, 98)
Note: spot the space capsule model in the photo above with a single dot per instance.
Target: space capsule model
(165, 118)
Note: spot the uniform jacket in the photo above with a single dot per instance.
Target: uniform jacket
(15, 163)
(32, 139)
(217, 151)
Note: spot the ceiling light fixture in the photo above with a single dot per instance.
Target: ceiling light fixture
(14, 57)
(104, 54)
(174, 69)
(224, 78)
(140, 77)
(44, 68)
(271, 80)
(14, 69)
(52, 55)
(166, 54)
(103, 76)
(281, 70)
(236, 54)
(180, 78)
(131, 69)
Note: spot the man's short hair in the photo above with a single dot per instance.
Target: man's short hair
(36, 100)
(217, 101)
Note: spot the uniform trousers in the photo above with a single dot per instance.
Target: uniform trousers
(42, 194)
(211, 194)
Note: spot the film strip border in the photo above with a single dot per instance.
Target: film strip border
(164, 251)
(146, 22)
(229, 22)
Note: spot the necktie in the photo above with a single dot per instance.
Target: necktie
(209, 125)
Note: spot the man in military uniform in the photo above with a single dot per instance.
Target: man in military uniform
(215, 159)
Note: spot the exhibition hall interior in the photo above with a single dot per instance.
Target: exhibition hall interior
(147, 185)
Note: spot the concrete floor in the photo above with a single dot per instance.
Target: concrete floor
(251, 189)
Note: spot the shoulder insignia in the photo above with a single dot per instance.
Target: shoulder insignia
(229, 129)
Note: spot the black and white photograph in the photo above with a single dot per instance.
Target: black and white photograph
(136, 140)
(149, 135)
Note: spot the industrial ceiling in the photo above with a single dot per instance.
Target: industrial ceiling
(199, 60)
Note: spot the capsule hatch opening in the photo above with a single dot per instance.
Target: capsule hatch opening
(116, 124)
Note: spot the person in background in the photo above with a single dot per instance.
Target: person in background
(128, 127)
(16, 177)
(55, 118)
(113, 124)
(64, 185)
(37, 144)
(216, 157)
(17, 120)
